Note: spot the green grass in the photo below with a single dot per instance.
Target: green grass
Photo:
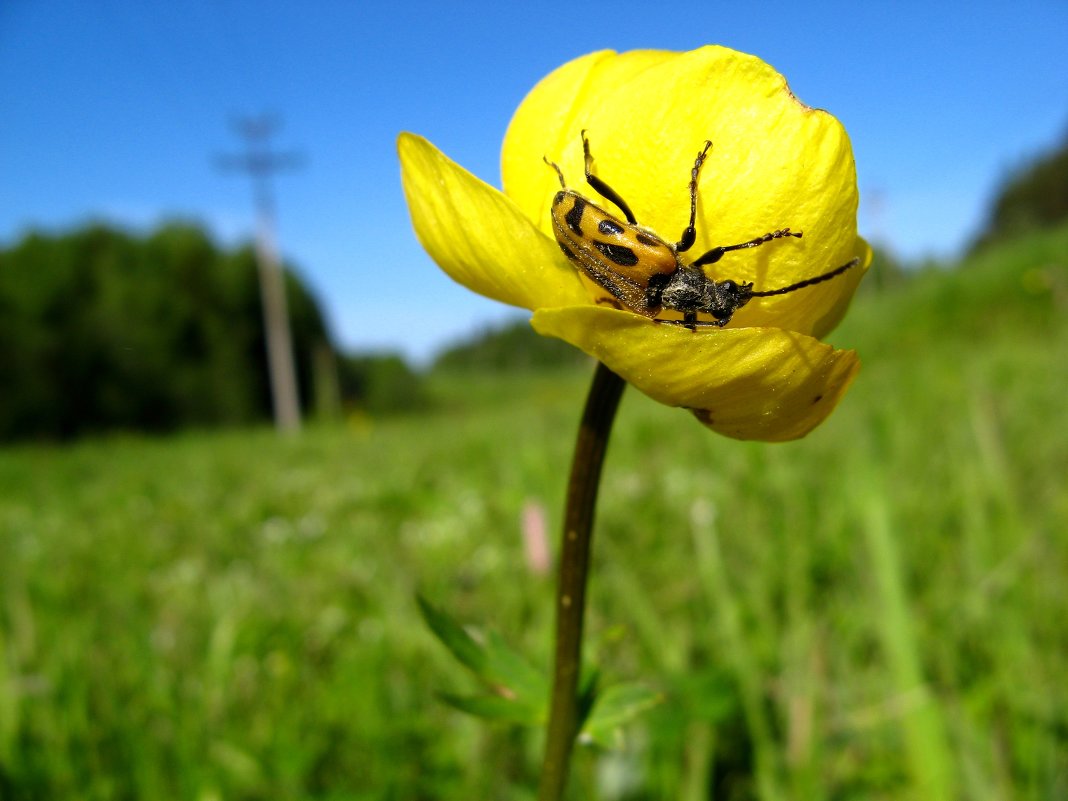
(875, 612)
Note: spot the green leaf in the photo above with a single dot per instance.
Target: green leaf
(588, 690)
(494, 707)
(616, 706)
(518, 691)
(453, 636)
(507, 668)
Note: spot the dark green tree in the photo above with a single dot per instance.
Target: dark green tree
(513, 346)
(1031, 198)
(380, 383)
(103, 330)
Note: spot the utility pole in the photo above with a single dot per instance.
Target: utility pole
(259, 161)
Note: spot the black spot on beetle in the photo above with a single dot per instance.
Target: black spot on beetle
(654, 292)
(617, 254)
(646, 240)
(609, 227)
(558, 198)
(817, 399)
(574, 217)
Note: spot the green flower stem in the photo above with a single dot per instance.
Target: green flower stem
(600, 411)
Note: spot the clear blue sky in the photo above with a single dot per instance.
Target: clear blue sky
(114, 110)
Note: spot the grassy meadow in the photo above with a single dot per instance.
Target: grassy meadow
(878, 611)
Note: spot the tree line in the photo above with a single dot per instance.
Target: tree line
(101, 329)
(1030, 198)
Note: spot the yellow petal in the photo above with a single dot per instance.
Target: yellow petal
(774, 163)
(548, 121)
(478, 236)
(824, 309)
(747, 383)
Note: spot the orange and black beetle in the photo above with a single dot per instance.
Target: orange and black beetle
(642, 272)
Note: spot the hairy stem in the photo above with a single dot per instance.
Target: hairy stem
(600, 411)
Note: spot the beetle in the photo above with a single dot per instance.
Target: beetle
(641, 271)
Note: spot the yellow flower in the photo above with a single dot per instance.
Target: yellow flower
(774, 163)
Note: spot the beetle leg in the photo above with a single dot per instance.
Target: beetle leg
(603, 189)
(715, 254)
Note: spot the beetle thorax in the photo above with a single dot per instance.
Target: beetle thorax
(690, 290)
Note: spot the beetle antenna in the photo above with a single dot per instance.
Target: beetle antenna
(807, 282)
(690, 234)
(559, 172)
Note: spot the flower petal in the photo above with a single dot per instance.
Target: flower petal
(746, 383)
(774, 163)
(478, 236)
(548, 121)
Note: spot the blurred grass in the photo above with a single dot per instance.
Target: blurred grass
(877, 611)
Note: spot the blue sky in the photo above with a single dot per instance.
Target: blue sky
(115, 110)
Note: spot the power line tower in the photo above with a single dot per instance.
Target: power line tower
(259, 161)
